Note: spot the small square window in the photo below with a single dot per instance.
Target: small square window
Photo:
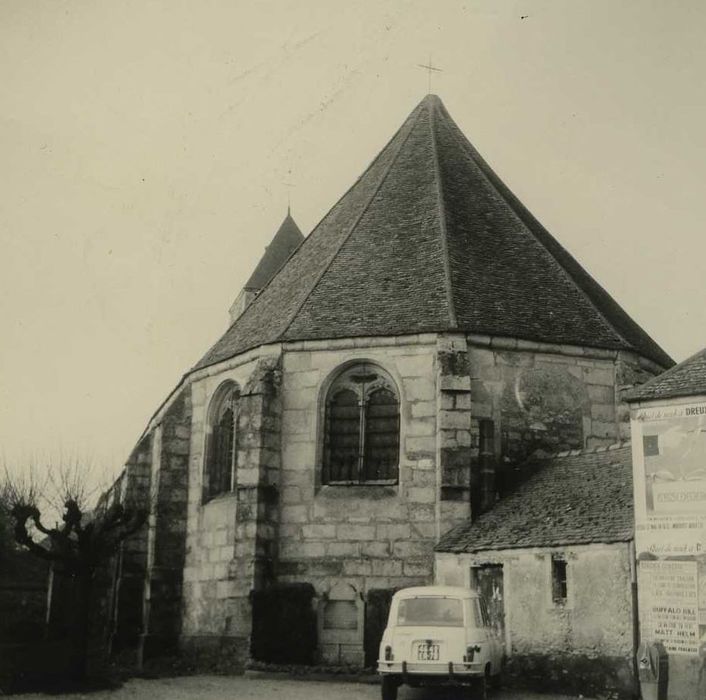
(650, 445)
(559, 585)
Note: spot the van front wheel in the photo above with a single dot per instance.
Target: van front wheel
(389, 688)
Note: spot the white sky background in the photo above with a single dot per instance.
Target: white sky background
(145, 146)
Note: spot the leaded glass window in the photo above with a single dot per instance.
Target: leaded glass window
(221, 442)
(362, 428)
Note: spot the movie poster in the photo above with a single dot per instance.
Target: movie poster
(669, 604)
(669, 456)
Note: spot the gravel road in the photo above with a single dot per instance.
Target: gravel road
(242, 688)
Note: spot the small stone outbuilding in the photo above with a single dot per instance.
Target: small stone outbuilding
(555, 560)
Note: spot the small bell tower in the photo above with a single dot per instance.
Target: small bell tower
(284, 243)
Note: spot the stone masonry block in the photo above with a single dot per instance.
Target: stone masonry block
(418, 567)
(462, 402)
(455, 419)
(463, 438)
(291, 495)
(375, 549)
(381, 582)
(603, 412)
(423, 477)
(296, 361)
(414, 365)
(422, 427)
(418, 445)
(451, 343)
(356, 532)
(319, 532)
(454, 383)
(296, 421)
(221, 568)
(603, 429)
(298, 400)
(394, 531)
(425, 464)
(302, 380)
(386, 567)
(225, 589)
(447, 438)
(248, 476)
(424, 409)
(290, 531)
(421, 512)
(343, 549)
(447, 401)
(301, 550)
(312, 550)
(419, 389)
(417, 494)
(601, 377)
(302, 478)
(357, 568)
(423, 531)
(406, 550)
(294, 514)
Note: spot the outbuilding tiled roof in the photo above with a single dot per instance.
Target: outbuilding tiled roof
(284, 243)
(579, 498)
(429, 240)
(688, 378)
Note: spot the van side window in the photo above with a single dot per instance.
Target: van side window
(484, 612)
(477, 612)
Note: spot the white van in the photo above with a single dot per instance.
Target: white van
(438, 635)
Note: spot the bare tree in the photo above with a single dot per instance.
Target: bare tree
(80, 541)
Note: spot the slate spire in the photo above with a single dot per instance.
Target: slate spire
(429, 239)
(284, 243)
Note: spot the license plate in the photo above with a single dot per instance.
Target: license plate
(428, 652)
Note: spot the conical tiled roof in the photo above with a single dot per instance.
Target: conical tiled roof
(284, 243)
(429, 239)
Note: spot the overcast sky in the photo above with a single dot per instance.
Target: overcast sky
(145, 148)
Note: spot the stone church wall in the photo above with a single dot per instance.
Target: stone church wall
(201, 560)
(545, 397)
(347, 540)
(166, 528)
(225, 535)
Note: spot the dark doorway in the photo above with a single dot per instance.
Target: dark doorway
(487, 579)
(377, 609)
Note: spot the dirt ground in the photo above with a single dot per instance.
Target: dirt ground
(242, 688)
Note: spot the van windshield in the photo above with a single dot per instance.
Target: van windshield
(425, 612)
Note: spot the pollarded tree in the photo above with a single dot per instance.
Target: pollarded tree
(79, 544)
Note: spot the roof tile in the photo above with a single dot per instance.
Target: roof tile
(688, 378)
(430, 239)
(595, 488)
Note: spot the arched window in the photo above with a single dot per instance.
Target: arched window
(221, 441)
(362, 428)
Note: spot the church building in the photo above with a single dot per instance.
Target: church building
(384, 381)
